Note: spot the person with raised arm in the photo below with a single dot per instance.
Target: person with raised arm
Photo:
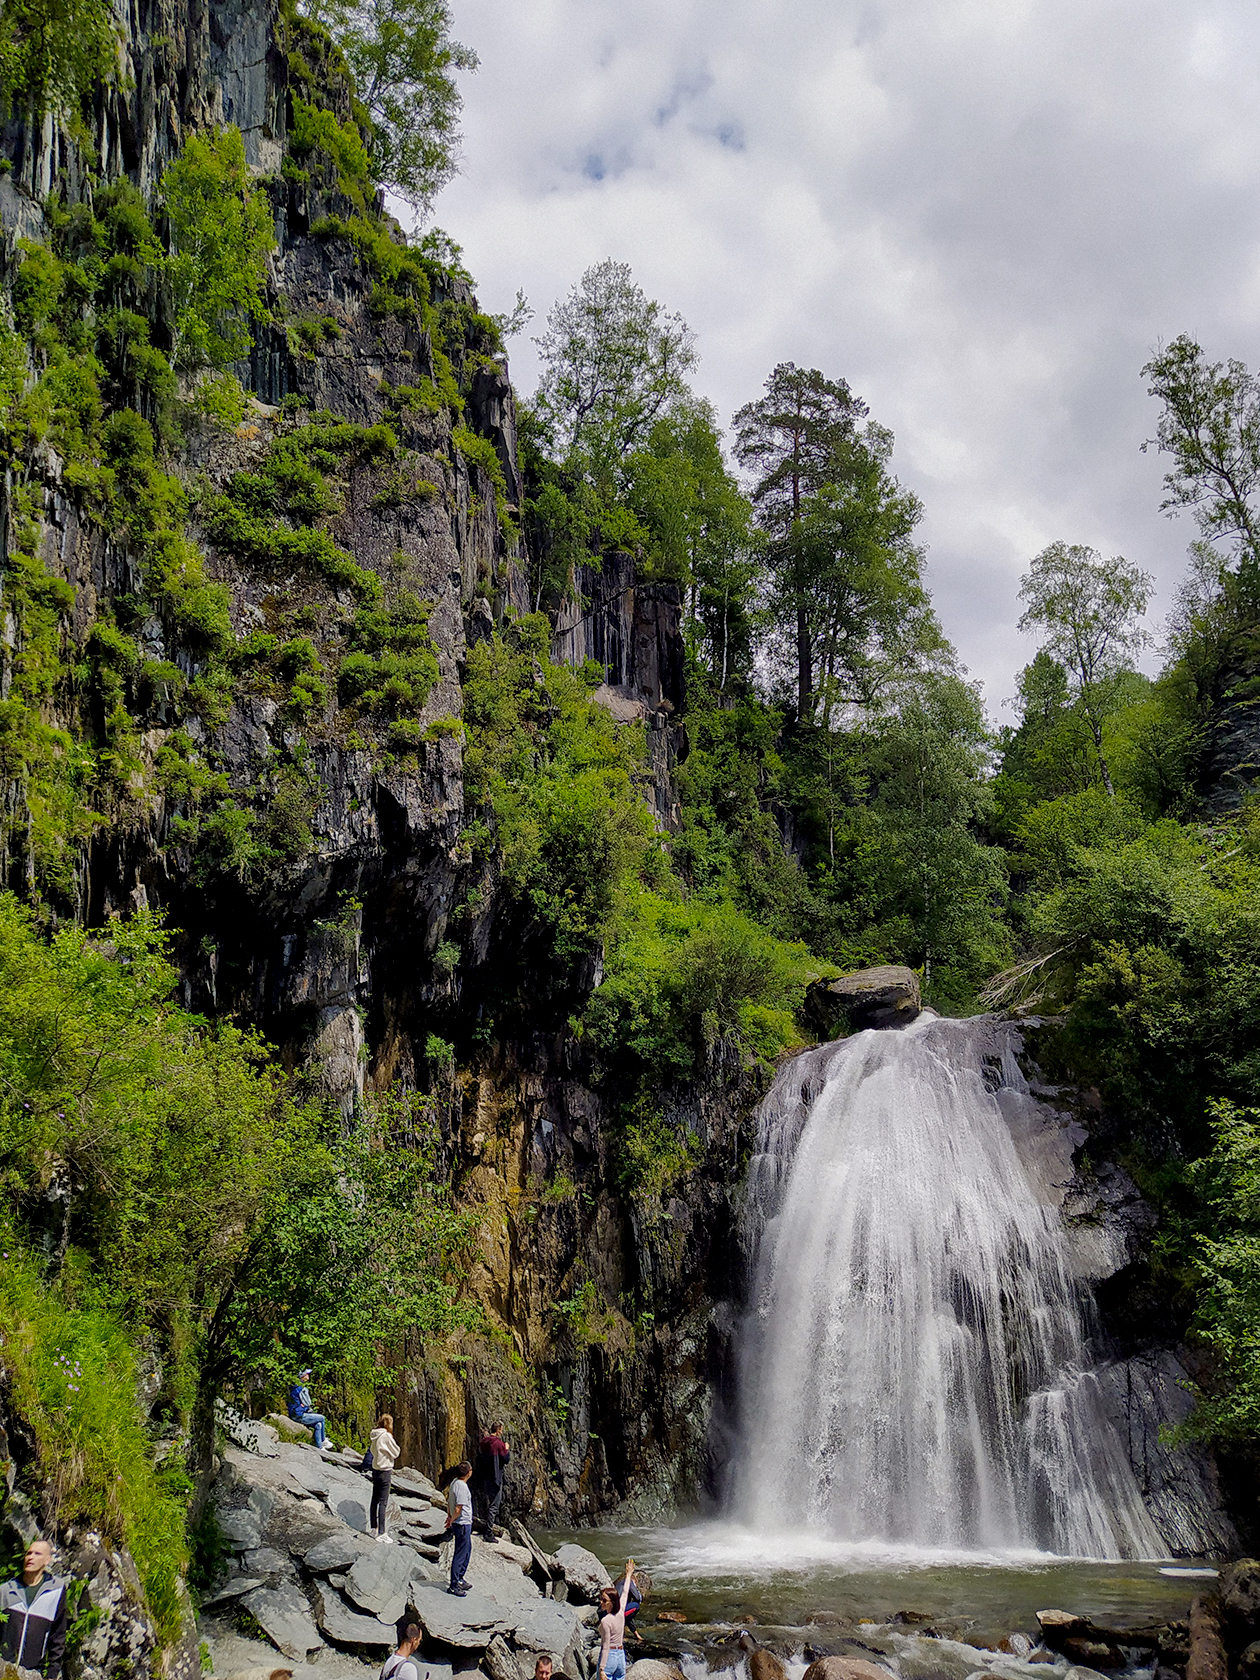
(612, 1628)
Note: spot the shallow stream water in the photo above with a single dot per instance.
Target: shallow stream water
(723, 1577)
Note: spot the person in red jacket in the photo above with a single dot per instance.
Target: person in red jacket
(493, 1455)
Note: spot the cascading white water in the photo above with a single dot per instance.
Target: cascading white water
(914, 1365)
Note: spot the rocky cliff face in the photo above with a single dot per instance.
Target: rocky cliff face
(331, 946)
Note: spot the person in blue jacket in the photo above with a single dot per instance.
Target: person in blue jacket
(302, 1411)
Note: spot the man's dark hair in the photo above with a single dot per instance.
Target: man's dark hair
(463, 1470)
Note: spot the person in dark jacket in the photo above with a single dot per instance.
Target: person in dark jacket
(493, 1455)
(34, 1607)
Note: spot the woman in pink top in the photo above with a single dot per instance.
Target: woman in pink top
(612, 1628)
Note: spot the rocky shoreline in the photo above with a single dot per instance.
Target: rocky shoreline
(305, 1589)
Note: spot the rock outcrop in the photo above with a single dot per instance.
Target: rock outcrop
(307, 1573)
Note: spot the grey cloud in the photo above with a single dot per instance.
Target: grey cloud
(984, 213)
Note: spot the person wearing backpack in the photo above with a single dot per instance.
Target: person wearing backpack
(301, 1409)
(34, 1608)
(384, 1453)
(401, 1666)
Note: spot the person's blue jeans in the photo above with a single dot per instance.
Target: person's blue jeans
(460, 1553)
(315, 1421)
(615, 1667)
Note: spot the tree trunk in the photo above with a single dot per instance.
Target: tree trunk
(804, 665)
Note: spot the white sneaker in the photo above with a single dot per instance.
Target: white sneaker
(385, 1539)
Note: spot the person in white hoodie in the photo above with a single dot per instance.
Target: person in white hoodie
(385, 1451)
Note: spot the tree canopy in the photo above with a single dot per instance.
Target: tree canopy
(403, 59)
(1089, 612)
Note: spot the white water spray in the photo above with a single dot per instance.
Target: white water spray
(915, 1365)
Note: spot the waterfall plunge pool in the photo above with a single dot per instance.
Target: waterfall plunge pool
(794, 1591)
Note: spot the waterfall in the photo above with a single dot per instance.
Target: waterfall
(915, 1367)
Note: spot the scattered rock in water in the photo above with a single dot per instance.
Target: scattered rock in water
(1056, 1625)
(764, 1665)
(583, 1573)
(654, 1668)
(672, 1616)
(1093, 1653)
(823, 1618)
(844, 1668)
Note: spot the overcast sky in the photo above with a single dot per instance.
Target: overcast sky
(983, 214)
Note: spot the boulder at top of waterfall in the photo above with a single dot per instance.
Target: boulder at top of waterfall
(886, 996)
(583, 1571)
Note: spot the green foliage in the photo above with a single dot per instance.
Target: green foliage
(613, 361)
(393, 666)
(561, 780)
(402, 59)
(71, 1377)
(315, 128)
(196, 1203)
(221, 231)
(481, 453)
(1089, 612)
(1223, 1245)
(52, 52)
(679, 974)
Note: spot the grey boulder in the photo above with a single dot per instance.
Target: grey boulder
(544, 1625)
(265, 1561)
(468, 1623)
(378, 1581)
(583, 1571)
(335, 1552)
(348, 1626)
(285, 1617)
(242, 1527)
(237, 1587)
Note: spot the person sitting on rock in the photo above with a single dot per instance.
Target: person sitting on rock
(400, 1666)
(301, 1409)
(34, 1607)
(385, 1451)
(612, 1627)
(459, 1524)
(493, 1454)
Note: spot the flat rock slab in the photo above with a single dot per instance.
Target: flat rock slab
(411, 1481)
(378, 1581)
(266, 1561)
(583, 1571)
(285, 1617)
(348, 1626)
(335, 1552)
(468, 1623)
(296, 1527)
(243, 1528)
(237, 1587)
(544, 1626)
